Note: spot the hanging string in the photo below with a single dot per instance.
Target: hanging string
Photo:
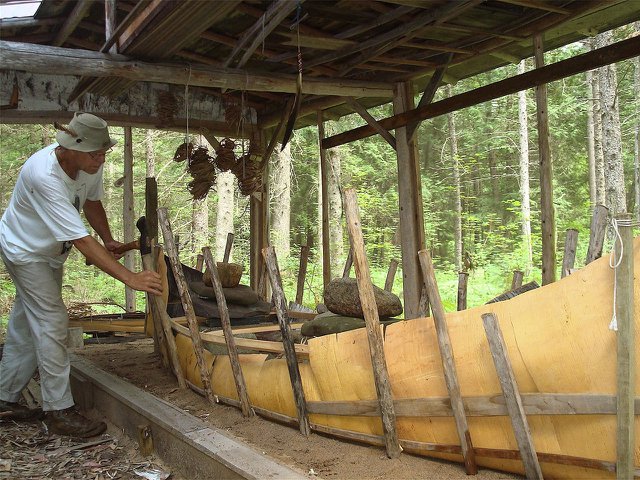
(613, 263)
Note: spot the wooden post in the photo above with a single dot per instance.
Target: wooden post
(163, 324)
(187, 304)
(547, 211)
(199, 262)
(516, 282)
(410, 201)
(391, 275)
(151, 207)
(597, 232)
(624, 314)
(569, 258)
(227, 248)
(347, 264)
(324, 175)
(238, 377)
(423, 308)
(463, 280)
(271, 261)
(512, 397)
(372, 322)
(302, 273)
(448, 363)
(128, 216)
(259, 228)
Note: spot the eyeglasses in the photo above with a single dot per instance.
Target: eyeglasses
(95, 155)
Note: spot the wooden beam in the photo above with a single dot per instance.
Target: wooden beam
(358, 108)
(64, 61)
(547, 209)
(512, 397)
(80, 10)
(544, 6)
(324, 188)
(372, 323)
(549, 73)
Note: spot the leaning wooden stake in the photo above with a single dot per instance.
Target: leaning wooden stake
(597, 232)
(512, 397)
(446, 353)
(372, 322)
(624, 315)
(463, 281)
(347, 264)
(271, 262)
(238, 377)
(302, 273)
(158, 310)
(569, 258)
(227, 248)
(187, 304)
(516, 281)
(391, 275)
(199, 262)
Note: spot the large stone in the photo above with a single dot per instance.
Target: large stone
(341, 297)
(328, 323)
(240, 295)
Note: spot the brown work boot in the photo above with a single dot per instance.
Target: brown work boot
(70, 423)
(15, 411)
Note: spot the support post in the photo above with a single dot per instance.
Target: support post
(227, 248)
(238, 377)
(463, 281)
(448, 363)
(512, 397)
(372, 322)
(547, 211)
(259, 227)
(128, 215)
(289, 350)
(569, 258)
(597, 232)
(391, 275)
(302, 273)
(187, 304)
(516, 281)
(324, 187)
(410, 205)
(624, 313)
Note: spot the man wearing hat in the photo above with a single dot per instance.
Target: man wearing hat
(37, 231)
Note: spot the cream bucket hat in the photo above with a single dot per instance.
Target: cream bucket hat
(85, 133)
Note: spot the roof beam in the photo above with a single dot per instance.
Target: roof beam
(353, 103)
(597, 58)
(77, 14)
(65, 61)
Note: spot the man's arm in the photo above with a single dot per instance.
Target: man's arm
(97, 255)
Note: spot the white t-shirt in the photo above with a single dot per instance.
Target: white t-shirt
(43, 215)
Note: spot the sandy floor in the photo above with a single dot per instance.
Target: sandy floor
(318, 455)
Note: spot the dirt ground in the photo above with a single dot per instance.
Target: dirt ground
(319, 456)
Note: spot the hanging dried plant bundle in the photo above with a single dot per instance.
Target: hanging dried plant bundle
(181, 152)
(202, 169)
(248, 170)
(225, 157)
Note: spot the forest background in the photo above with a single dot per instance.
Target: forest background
(479, 175)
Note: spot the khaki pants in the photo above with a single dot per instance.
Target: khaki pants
(36, 336)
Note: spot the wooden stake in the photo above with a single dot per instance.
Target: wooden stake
(238, 377)
(227, 248)
(187, 304)
(324, 188)
(372, 321)
(516, 282)
(391, 275)
(512, 396)
(163, 325)
(569, 258)
(624, 314)
(347, 264)
(596, 233)
(271, 262)
(463, 280)
(448, 363)
(423, 305)
(302, 273)
(199, 262)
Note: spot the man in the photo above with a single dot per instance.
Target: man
(39, 227)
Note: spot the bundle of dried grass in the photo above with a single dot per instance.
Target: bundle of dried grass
(183, 152)
(248, 170)
(202, 169)
(225, 157)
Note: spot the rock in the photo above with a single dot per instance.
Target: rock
(240, 295)
(341, 297)
(328, 323)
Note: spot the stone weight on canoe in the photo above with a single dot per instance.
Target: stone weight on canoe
(341, 297)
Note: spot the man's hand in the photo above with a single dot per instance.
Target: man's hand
(146, 281)
(112, 246)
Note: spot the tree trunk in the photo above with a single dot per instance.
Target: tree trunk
(597, 133)
(456, 184)
(224, 217)
(199, 225)
(611, 136)
(280, 188)
(335, 209)
(151, 154)
(591, 146)
(636, 137)
(524, 174)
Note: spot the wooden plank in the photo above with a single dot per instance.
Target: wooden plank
(372, 322)
(463, 280)
(597, 233)
(512, 396)
(347, 264)
(625, 373)
(281, 310)
(547, 209)
(360, 110)
(324, 187)
(569, 257)
(238, 377)
(565, 68)
(227, 248)
(302, 273)
(448, 363)
(391, 275)
(187, 304)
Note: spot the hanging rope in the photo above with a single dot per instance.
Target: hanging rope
(615, 223)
